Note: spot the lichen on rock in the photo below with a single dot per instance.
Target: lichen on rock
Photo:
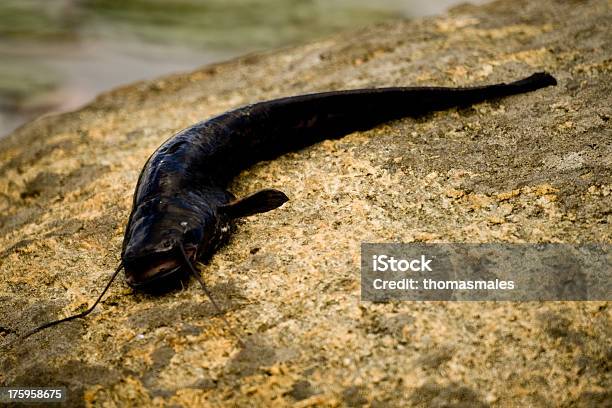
(528, 168)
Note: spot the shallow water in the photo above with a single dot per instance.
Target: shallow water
(56, 55)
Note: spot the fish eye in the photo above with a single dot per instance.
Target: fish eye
(168, 243)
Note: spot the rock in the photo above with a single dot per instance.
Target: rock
(537, 164)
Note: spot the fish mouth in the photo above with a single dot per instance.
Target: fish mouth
(150, 275)
(157, 270)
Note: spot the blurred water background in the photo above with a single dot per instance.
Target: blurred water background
(56, 55)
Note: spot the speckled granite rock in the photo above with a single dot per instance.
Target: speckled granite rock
(529, 168)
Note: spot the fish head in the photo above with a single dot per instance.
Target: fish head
(164, 234)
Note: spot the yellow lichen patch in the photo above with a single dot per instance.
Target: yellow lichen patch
(426, 236)
(539, 57)
(521, 30)
(593, 68)
(508, 194)
(496, 220)
(323, 401)
(191, 397)
(484, 71)
(128, 391)
(454, 193)
(603, 190)
(540, 190)
(566, 125)
(478, 201)
(458, 73)
(449, 25)
(202, 359)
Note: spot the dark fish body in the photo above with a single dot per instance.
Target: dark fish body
(181, 199)
(182, 211)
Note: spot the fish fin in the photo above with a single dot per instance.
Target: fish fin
(258, 202)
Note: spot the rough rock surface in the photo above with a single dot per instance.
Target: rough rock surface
(529, 168)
